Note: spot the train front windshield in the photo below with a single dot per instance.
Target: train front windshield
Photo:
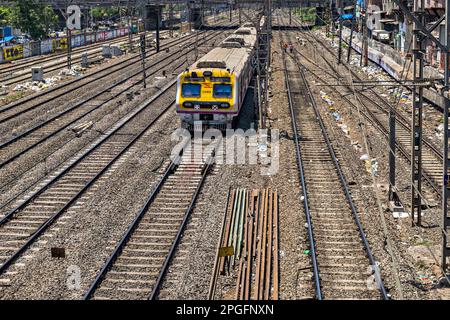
(191, 90)
(222, 91)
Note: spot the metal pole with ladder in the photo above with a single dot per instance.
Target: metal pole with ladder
(69, 49)
(341, 12)
(143, 57)
(446, 160)
(158, 26)
(416, 154)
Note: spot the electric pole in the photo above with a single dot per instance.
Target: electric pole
(365, 41)
(446, 162)
(143, 56)
(349, 49)
(158, 23)
(130, 30)
(171, 20)
(69, 49)
(290, 15)
(341, 10)
(416, 155)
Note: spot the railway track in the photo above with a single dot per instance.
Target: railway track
(342, 262)
(40, 133)
(9, 75)
(11, 111)
(27, 221)
(17, 73)
(377, 113)
(138, 265)
(9, 70)
(15, 109)
(29, 62)
(57, 125)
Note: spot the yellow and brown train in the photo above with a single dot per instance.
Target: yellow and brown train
(211, 92)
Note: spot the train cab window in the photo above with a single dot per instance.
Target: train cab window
(191, 90)
(222, 91)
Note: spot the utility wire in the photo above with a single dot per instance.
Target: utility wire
(394, 265)
(365, 137)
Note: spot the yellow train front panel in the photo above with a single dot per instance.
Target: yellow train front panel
(209, 96)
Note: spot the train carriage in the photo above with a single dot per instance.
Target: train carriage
(213, 89)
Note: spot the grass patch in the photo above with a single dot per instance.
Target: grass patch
(13, 97)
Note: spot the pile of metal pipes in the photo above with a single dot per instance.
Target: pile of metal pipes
(251, 237)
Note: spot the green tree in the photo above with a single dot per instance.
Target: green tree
(5, 16)
(33, 18)
(100, 13)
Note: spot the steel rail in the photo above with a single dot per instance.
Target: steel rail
(55, 216)
(373, 119)
(88, 152)
(27, 64)
(343, 183)
(206, 169)
(346, 191)
(303, 183)
(370, 116)
(81, 103)
(21, 193)
(122, 65)
(34, 184)
(118, 249)
(215, 274)
(135, 223)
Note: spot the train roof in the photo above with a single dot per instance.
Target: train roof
(233, 59)
(246, 31)
(239, 40)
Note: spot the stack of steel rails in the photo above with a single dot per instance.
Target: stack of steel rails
(248, 250)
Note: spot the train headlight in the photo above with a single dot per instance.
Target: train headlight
(224, 105)
(187, 104)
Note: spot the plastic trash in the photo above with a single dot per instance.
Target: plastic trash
(326, 99)
(336, 116)
(345, 129)
(372, 167)
(36, 86)
(400, 215)
(74, 72)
